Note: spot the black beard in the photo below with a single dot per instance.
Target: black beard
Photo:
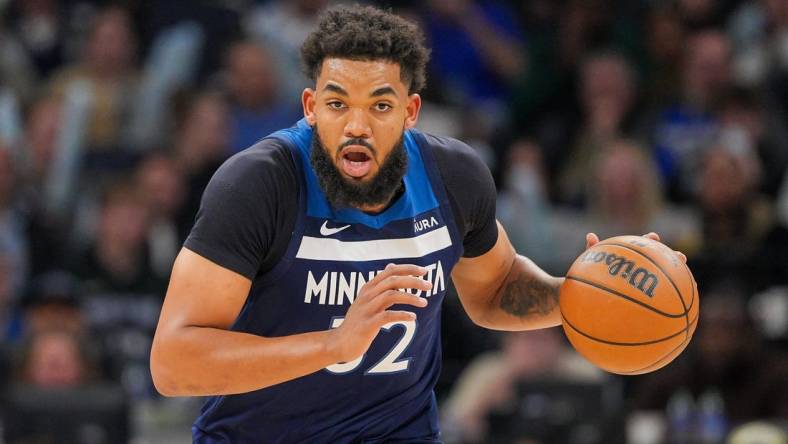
(342, 192)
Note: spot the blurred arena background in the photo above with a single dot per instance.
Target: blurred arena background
(594, 115)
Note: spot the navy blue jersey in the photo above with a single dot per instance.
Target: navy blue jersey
(386, 394)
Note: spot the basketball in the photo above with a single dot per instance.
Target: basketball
(629, 305)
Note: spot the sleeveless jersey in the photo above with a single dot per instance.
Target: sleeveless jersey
(386, 395)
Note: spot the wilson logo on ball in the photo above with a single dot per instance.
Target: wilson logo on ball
(645, 281)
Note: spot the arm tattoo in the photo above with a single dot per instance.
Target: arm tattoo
(527, 295)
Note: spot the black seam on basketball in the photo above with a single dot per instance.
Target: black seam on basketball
(629, 298)
(626, 344)
(675, 287)
(658, 361)
(682, 344)
(692, 287)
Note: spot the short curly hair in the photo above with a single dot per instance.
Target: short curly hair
(367, 33)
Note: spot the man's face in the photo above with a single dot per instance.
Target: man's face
(707, 66)
(250, 76)
(360, 110)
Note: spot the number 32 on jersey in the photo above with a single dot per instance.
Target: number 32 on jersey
(390, 363)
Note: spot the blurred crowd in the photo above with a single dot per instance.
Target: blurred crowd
(611, 116)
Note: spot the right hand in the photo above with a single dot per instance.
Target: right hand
(369, 312)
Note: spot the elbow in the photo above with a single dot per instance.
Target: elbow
(162, 372)
(479, 311)
(162, 386)
(480, 318)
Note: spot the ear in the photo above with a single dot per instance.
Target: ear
(412, 110)
(308, 103)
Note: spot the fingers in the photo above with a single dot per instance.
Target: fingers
(394, 297)
(397, 270)
(591, 240)
(654, 236)
(390, 316)
(402, 282)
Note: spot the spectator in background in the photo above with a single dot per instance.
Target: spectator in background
(759, 30)
(40, 141)
(740, 234)
(201, 144)
(13, 236)
(57, 394)
(540, 97)
(41, 28)
(50, 329)
(162, 188)
(53, 300)
(624, 196)
(46, 233)
(623, 193)
(664, 43)
(725, 355)
(118, 261)
(252, 87)
(10, 322)
(523, 207)
(681, 131)
(476, 51)
(544, 101)
(607, 96)
(587, 25)
(488, 384)
(742, 110)
(282, 26)
(55, 358)
(16, 71)
(699, 14)
(107, 67)
(219, 22)
(120, 294)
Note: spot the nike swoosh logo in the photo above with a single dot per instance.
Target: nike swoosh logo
(325, 231)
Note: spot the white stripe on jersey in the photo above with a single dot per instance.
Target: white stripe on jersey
(324, 249)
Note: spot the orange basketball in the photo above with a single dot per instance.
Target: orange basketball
(629, 305)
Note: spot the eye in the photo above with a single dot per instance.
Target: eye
(382, 107)
(335, 104)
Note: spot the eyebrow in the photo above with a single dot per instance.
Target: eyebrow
(335, 88)
(382, 91)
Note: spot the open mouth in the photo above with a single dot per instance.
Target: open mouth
(356, 161)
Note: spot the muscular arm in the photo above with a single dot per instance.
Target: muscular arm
(193, 352)
(502, 290)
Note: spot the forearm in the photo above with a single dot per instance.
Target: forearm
(527, 299)
(201, 361)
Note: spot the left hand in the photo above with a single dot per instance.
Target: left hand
(592, 239)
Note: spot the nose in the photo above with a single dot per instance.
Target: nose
(357, 125)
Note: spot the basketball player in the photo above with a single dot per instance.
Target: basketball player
(306, 300)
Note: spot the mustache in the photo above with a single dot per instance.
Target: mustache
(342, 192)
(358, 141)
